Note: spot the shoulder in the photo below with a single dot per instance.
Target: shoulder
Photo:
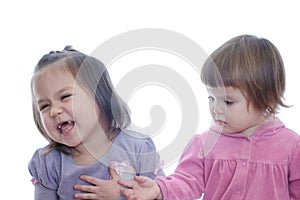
(201, 144)
(139, 151)
(41, 157)
(136, 141)
(291, 135)
(293, 139)
(45, 167)
(206, 137)
(287, 135)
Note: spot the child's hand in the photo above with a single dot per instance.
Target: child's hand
(141, 188)
(101, 189)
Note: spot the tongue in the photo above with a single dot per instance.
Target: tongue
(65, 126)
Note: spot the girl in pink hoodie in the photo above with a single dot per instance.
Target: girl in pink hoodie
(248, 153)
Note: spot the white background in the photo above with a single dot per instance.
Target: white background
(30, 29)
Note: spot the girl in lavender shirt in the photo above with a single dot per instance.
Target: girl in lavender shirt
(248, 153)
(77, 110)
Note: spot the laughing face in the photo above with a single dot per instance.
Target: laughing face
(230, 111)
(68, 113)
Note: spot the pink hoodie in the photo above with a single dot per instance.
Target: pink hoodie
(263, 166)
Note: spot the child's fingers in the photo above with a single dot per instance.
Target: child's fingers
(91, 179)
(85, 188)
(85, 196)
(130, 184)
(140, 179)
(129, 194)
(126, 183)
(126, 192)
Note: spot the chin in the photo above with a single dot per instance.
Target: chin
(226, 130)
(72, 144)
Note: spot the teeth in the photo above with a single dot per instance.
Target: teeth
(60, 126)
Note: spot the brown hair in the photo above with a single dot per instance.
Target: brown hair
(90, 73)
(251, 64)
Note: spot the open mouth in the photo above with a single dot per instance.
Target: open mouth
(65, 126)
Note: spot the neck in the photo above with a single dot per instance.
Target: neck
(90, 151)
(251, 130)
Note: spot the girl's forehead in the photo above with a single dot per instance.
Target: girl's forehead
(51, 77)
(224, 91)
(54, 70)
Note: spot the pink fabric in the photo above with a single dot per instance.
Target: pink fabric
(263, 166)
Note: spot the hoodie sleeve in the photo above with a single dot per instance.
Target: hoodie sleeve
(294, 173)
(187, 182)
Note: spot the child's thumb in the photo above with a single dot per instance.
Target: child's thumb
(112, 171)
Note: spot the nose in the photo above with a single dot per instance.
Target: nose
(217, 108)
(56, 110)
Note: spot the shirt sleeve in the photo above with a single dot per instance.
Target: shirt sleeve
(294, 174)
(41, 193)
(45, 175)
(187, 182)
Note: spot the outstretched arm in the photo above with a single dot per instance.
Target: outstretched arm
(100, 189)
(141, 188)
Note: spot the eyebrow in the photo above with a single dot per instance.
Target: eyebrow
(230, 96)
(57, 92)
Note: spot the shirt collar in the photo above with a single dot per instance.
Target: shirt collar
(271, 127)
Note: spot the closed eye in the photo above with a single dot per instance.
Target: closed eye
(43, 107)
(66, 96)
(228, 102)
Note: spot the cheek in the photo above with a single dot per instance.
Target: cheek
(45, 123)
(236, 116)
(211, 109)
(210, 106)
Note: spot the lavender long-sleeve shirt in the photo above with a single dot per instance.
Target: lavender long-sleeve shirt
(56, 173)
(263, 166)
